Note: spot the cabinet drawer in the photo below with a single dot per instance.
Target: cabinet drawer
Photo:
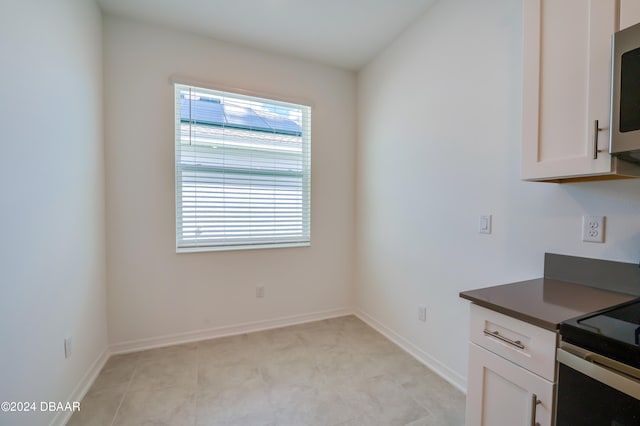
(525, 344)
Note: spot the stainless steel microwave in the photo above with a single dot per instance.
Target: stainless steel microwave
(625, 95)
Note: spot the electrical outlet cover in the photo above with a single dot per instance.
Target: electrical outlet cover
(593, 229)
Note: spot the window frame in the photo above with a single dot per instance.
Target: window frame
(271, 241)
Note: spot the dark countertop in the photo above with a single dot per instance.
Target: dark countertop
(545, 302)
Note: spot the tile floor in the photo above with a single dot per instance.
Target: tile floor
(334, 372)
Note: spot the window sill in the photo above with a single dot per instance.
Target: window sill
(240, 247)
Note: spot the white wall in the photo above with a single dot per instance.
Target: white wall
(52, 257)
(439, 144)
(154, 292)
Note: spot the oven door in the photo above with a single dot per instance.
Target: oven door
(596, 391)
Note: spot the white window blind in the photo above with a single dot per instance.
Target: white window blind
(243, 171)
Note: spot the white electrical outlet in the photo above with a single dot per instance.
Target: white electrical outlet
(67, 347)
(422, 313)
(593, 229)
(260, 291)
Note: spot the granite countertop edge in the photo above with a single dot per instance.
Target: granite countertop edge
(528, 300)
(540, 322)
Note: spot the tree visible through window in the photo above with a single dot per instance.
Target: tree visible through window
(243, 171)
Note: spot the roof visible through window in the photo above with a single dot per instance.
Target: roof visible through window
(222, 113)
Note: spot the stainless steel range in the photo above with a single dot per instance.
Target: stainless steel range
(599, 374)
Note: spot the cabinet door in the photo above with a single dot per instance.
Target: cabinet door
(566, 79)
(500, 393)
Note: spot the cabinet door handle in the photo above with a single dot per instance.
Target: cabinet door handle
(596, 130)
(534, 403)
(517, 343)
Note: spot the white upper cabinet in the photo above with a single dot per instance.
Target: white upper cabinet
(566, 88)
(629, 13)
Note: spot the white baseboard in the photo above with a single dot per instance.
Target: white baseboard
(211, 333)
(62, 417)
(438, 367)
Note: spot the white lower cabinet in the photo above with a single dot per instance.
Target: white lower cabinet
(501, 393)
(512, 371)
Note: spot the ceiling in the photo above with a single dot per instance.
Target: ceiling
(342, 33)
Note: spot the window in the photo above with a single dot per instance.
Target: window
(243, 171)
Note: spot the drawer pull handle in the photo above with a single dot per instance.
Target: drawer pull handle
(534, 402)
(517, 343)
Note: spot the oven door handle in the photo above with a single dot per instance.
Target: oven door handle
(599, 368)
(616, 366)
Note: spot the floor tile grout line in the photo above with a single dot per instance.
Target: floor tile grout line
(418, 402)
(197, 392)
(267, 387)
(195, 404)
(124, 394)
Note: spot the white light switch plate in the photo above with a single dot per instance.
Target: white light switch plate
(68, 346)
(484, 224)
(422, 313)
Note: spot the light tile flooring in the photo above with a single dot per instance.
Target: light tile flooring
(332, 372)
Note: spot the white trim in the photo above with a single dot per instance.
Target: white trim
(187, 81)
(229, 330)
(82, 387)
(199, 249)
(438, 367)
